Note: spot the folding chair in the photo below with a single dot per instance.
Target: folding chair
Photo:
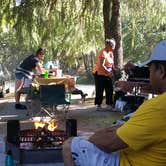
(53, 95)
(25, 91)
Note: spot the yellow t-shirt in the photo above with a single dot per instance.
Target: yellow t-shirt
(145, 134)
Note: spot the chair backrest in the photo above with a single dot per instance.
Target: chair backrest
(52, 94)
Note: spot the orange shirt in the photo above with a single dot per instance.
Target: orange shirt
(109, 61)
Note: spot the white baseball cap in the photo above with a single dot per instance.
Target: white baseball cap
(158, 53)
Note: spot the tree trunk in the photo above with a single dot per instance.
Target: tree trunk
(112, 26)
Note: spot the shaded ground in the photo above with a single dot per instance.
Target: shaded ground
(88, 119)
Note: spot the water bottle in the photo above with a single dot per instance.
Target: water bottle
(9, 159)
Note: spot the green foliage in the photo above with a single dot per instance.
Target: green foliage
(69, 28)
(144, 24)
(60, 27)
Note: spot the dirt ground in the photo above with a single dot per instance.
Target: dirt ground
(88, 119)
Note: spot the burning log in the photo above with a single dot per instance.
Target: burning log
(45, 135)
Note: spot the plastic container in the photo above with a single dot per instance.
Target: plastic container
(46, 74)
(59, 72)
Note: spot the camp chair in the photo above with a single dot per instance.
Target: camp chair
(25, 91)
(53, 95)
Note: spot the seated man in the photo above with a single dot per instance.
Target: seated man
(141, 141)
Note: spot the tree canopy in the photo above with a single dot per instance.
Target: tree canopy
(69, 29)
(144, 24)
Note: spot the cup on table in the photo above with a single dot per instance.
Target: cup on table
(59, 72)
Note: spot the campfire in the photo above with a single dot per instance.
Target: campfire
(42, 144)
(48, 125)
(44, 135)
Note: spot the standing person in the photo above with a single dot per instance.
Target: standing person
(141, 141)
(26, 70)
(103, 72)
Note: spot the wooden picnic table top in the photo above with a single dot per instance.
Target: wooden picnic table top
(68, 81)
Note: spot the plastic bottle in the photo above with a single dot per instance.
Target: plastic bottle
(9, 159)
(46, 73)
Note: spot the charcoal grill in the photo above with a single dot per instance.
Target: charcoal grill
(37, 145)
(32, 151)
(41, 138)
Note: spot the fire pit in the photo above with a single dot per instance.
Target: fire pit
(34, 148)
(41, 138)
(42, 144)
(45, 135)
(38, 145)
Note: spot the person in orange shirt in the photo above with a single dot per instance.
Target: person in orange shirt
(103, 73)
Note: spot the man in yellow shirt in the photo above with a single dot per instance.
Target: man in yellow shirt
(141, 141)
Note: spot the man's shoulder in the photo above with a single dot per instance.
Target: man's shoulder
(156, 103)
(158, 98)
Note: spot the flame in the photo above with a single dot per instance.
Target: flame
(39, 124)
(51, 126)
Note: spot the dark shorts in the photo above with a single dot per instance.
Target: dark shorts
(20, 76)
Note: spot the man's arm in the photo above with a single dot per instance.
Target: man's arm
(107, 140)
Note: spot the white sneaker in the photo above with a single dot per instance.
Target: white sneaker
(98, 108)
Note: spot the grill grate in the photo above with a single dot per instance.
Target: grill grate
(41, 138)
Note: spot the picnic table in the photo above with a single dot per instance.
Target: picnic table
(67, 80)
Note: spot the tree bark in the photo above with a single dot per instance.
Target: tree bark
(112, 26)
